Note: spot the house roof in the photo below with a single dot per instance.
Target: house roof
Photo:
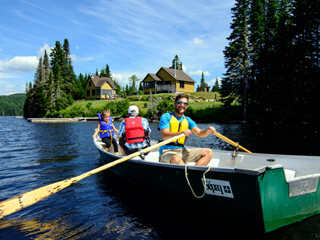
(98, 81)
(180, 75)
(155, 77)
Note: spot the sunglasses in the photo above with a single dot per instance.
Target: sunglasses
(180, 102)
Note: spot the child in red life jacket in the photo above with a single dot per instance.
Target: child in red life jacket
(134, 132)
(107, 129)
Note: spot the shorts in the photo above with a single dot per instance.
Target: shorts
(107, 141)
(187, 155)
(129, 151)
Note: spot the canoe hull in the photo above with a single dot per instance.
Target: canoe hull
(258, 199)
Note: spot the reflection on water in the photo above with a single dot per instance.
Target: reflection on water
(105, 206)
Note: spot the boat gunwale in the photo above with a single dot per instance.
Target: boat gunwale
(189, 167)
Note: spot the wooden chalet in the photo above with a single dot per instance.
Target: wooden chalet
(98, 88)
(168, 80)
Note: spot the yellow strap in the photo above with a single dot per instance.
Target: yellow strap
(104, 131)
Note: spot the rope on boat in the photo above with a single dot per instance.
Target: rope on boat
(204, 179)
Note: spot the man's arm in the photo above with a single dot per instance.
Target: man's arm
(166, 134)
(121, 129)
(203, 133)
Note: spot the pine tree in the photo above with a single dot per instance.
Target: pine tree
(241, 69)
(46, 70)
(202, 81)
(176, 63)
(67, 71)
(216, 86)
(107, 72)
(230, 86)
(39, 77)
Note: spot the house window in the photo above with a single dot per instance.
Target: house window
(89, 83)
(149, 85)
(181, 84)
(93, 92)
(167, 83)
(88, 93)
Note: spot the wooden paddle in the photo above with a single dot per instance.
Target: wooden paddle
(231, 142)
(27, 199)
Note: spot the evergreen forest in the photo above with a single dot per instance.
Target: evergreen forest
(272, 60)
(12, 105)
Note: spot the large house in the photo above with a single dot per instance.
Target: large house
(168, 80)
(98, 88)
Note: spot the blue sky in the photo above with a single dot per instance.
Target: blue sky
(131, 36)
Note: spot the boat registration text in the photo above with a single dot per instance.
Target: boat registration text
(218, 188)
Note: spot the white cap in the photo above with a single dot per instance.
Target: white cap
(133, 109)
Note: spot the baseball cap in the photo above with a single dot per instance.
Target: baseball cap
(133, 109)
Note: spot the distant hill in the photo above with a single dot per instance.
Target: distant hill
(12, 105)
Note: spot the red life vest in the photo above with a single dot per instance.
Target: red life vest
(134, 130)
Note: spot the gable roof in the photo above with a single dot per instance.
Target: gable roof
(98, 81)
(154, 76)
(180, 75)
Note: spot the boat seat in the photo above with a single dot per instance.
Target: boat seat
(102, 145)
(289, 174)
(214, 162)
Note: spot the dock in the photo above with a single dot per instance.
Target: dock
(64, 120)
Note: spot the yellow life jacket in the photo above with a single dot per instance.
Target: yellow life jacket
(176, 126)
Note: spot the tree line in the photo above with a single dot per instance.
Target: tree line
(273, 60)
(12, 105)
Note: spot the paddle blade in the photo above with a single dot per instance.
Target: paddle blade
(27, 199)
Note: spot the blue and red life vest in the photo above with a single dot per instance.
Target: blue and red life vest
(106, 129)
(135, 132)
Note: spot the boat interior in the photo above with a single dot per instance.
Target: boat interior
(295, 167)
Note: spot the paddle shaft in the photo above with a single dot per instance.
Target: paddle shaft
(231, 142)
(27, 199)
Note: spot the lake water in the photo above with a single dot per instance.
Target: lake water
(104, 206)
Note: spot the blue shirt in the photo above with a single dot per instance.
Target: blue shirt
(122, 130)
(165, 123)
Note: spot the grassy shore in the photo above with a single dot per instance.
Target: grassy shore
(203, 107)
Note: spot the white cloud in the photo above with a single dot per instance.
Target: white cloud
(184, 68)
(197, 41)
(213, 81)
(79, 59)
(19, 64)
(41, 51)
(117, 77)
(199, 73)
(11, 83)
